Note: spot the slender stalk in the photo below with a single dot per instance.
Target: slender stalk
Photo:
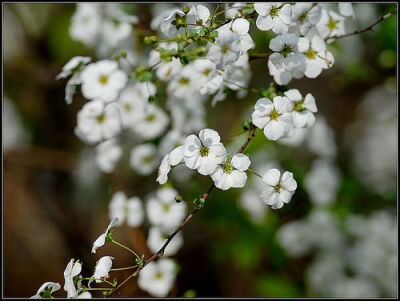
(252, 171)
(125, 247)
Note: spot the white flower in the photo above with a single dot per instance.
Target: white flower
(171, 159)
(70, 87)
(132, 105)
(158, 277)
(86, 23)
(204, 154)
(103, 80)
(317, 57)
(165, 71)
(102, 268)
(73, 269)
(226, 49)
(304, 17)
(295, 238)
(163, 210)
(346, 9)
(84, 295)
(73, 65)
(116, 30)
(330, 24)
(321, 138)
(46, 289)
(157, 238)
(275, 118)
(97, 122)
(322, 182)
(171, 140)
(279, 189)
(273, 16)
(241, 26)
(154, 121)
(144, 158)
(101, 240)
(303, 108)
(233, 173)
(123, 208)
(185, 83)
(107, 155)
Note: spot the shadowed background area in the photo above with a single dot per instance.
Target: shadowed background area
(55, 200)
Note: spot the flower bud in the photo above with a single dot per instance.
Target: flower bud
(186, 9)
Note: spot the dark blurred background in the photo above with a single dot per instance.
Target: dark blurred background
(56, 201)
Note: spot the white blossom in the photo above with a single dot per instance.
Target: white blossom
(330, 24)
(279, 189)
(346, 9)
(144, 158)
(129, 209)
(157, 238)
(102, 268)
(303, 108)
(46, 288)
(72, 269)
(101, 240)
(86, 23)
(205, 152)
(274, 117)
(274, 16)
(107, 155)
(97, 122)
(73, 65)
(158, 277)
(226, 49)
(305, 15)
(163, 210)
(233, 173)
(103, 80)
(171, 159)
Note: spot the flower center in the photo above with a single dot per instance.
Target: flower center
(227, 168)
(274, 11)
(278, 187)
(166, 207)
(299, 106)
(311, 54)
(159, 275)
(274, 115)
(207, 72)
(332, 24)
(184, 81)
(286, 50)
(103, 79)
(127, 107)
(150, 118)
(100, 118)
(148, 159)
(302, 17)
(225, 49)
(204, 151)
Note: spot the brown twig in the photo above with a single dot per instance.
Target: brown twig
(365, 29)
(182, 225)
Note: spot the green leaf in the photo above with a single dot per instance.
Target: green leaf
(214, 34)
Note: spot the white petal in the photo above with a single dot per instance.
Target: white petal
(318, 44)
(241, 162)
(193, 162)
(271, 177)
(309, 103)
(241, 26)
(209, 137)
(313, 69)
(239, 178)
(264, 23)
(274, 130)
(269, 196)
(293, 95)
(288, 181)
(303, 44)
(176, 155)
(285, 196)
(192, 146)
(262, 8)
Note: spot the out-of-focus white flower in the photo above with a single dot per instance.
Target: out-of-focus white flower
(241, 26)
(171, 140)
(317, 57)
(14, 135)
(102, 268)
(322, 182)
(321, 138)
(73, 65)
(346, 9)
(231, 9)
(144, 158)
(165, 70)
(131, 106)
(46, 289)
(205, 152)
(72, 269)
(171, 159)
(107, 155)
(154, 122)
(187, 120)
(273, 16)
(233, 173)
(184, 84)
(279, 189)
(275, 118)
(295, 237)
(157, 238)
(86, 23)
(163, 210)
(354, 287)
(102, 80)
(303, 108)
(123, 208)
(158, 277)
(97, 122)
(118, 29)
(294, 137)
(101, 240)
(226, 49)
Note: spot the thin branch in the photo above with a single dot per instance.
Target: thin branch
(368, 28)
(183, 224)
